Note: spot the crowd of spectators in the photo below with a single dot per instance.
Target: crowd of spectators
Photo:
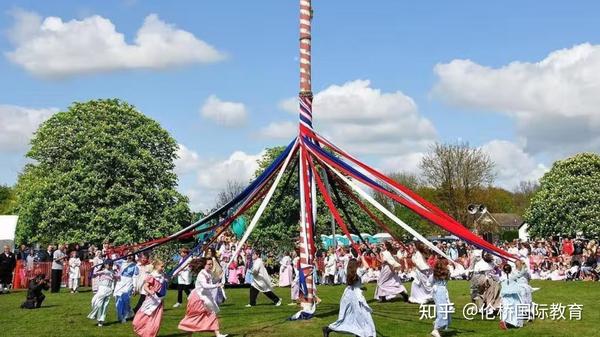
(547, 259)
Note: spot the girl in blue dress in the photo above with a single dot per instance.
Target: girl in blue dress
(441, 275)
(355, 314)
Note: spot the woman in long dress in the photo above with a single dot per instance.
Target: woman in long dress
(105, 278)
(97, 263)
(202, 308)
(389, 283)
(330, 267)
(146, 322)
(511, 298)
(285, 271)
(124, 289)
(217, 274)
(355, 314)
(421, 290)
(441, 274)
(295, 288)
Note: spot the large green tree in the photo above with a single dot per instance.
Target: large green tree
(278, 228)
(101, 170)
(568, 200)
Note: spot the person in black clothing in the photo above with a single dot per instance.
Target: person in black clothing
(461, 249)
(578, 247)
(8, 263)
(35, 297)
(46, 256)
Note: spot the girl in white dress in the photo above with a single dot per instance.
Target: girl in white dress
(74, 272)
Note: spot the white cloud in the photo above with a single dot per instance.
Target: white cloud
(513, 165)
(290, 105)
(51, 47)
(554, 102)
(239, 166)
(365, 120)
(279, 130)
(187, 160)
(229, 114)
(202, 179)
(404, 163)
(17, 125)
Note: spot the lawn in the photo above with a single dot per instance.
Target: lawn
(64, 315)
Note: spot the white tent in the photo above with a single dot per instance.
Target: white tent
(382, 236)
(8, 224)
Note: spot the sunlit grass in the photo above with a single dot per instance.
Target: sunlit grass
(64, 315)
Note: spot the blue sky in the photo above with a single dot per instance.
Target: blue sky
(492, 74)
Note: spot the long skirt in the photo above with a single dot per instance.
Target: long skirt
(295, 290)
(509, 309)
(491, 296)
(123, 291)
(355, 315)
(442, 306)
(389, 284)
(145, 325)
(198, 317)
(123, 306)
(285, 276)
(232, 277)
(100, 303)
(421, 290)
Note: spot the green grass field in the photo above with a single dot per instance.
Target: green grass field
(64, 315)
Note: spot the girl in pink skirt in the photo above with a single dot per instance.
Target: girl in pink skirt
(202, 307)
(146, 322)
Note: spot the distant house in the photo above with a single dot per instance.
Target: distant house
(491, 225)
(508, 221)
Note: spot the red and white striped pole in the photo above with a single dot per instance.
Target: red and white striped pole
(307, 190)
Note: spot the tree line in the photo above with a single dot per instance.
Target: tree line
(102, 169)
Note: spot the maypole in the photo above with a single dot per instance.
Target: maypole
(307, 186)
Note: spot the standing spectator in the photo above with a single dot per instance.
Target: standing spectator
(578, 247)
(77, 248)
(74, 272)
(58, 258)
(105, 249)
(97, 262)
(567, 247)
(23, 253)
(47, 255)
(7, 266)
(461, 249)
(453, 251)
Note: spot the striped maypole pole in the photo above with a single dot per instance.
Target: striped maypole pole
(305, 69)
(307, 185)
